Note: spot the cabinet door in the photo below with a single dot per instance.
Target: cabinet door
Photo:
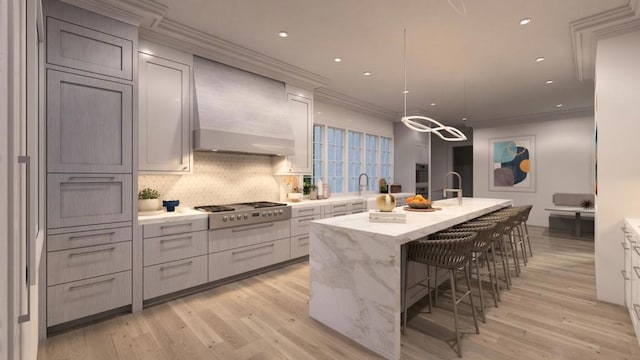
(88, 199)
(94, 51)
(164, 115)
(300, 112)
(89, 124)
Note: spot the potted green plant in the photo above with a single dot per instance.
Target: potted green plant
(149, 200)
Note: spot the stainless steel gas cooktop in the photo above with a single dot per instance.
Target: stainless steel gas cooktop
(231, 215)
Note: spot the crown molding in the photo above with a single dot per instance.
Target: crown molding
(530, 118)
(333, 97)
(182, 37)
(586, 32)
(134, 12)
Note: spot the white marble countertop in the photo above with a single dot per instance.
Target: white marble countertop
(419, 223)
(181, 214)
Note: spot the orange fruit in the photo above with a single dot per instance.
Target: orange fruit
(410, 199)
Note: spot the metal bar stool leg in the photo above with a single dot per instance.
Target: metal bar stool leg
(526, 230)
(477, 262)
(522, 245)
(473, 308)
(455, 310)
(494, 292)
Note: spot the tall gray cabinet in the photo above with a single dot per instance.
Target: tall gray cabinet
(91, 72)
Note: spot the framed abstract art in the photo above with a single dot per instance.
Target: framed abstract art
(512, 164)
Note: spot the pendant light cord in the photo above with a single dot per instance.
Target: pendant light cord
(404, 50)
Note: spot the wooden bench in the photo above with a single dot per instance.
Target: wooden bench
(571, 203)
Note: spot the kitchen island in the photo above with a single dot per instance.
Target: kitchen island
(355, 269)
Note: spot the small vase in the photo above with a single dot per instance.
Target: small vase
(313, 195)
(149, 205)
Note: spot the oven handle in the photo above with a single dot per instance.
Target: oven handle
(252, 228)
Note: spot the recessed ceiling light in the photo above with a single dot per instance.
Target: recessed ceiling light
(433, 104)
(337, 59)
(541, 58)
(525, 21)
(559, 105)
(549, 82)
(283, 34)
(367, 73)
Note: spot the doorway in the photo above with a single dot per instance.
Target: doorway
(463, 165)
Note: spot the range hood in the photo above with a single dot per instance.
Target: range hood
(238, 111)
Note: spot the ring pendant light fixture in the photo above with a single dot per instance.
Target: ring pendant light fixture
(423, 123)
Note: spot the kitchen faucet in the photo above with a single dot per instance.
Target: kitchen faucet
(458, 190)
(366, 185)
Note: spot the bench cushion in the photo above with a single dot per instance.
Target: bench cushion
(571, 199)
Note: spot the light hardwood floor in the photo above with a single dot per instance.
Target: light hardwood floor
(550, 313)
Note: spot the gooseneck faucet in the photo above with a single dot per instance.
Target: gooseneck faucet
(366, 185)
(458, 190)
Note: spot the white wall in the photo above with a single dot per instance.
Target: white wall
(564, 160)
(617, 99)
(4, 166)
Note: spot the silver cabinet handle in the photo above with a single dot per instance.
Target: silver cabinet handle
(95, 178)
(76, 287)
(339, 206)
(92, 252)
(624, 275)
(76, 237)
(185, 168)
(176, 239)
(255, 248)
(302, 238)
(167, 267)
(22, 318)
(305, 210)
(252, 228)
(172, 226)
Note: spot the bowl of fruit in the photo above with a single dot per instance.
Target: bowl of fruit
(419, 202)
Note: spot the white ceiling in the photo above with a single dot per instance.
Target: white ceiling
(486, 48)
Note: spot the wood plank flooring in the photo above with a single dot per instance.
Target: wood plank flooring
(549, 313)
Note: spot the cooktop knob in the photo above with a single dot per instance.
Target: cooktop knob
(246, 216)
(232, 217)
(225, 218)
(281, 211)
(264, 213)
(270, 213)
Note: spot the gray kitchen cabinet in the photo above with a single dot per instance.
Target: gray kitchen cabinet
(300, 109)
(230, 238)
(81, 48)
(90, 83)
(164, 105)
(301, 218)
(88, 199)
(237, 261)
(89, 124)
(174, 256)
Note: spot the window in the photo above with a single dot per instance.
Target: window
(341, 155)
(371, 161)
(318, 141)
(385, 158)
(335, 159)
(355, 159)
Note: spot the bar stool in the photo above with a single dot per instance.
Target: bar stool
(480, 249)
(509, 225)
(450, 251)
(515, 235)
(499, 245)
(525, 211)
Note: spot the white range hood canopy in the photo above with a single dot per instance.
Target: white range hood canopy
(238, 111)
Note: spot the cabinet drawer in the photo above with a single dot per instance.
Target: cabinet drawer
(78, 299)
(76, 264)
(174, 247)
(174, 276)
(81, 48)
(175, 227)
(237, 261)
(89, 125)
(88, 238)
(232, 238)
(88, 199)
(299, 246)
(305, 211)
(336, 207)
(300, 226)
(357, 206)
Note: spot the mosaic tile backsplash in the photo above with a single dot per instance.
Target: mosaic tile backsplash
(218, 178)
